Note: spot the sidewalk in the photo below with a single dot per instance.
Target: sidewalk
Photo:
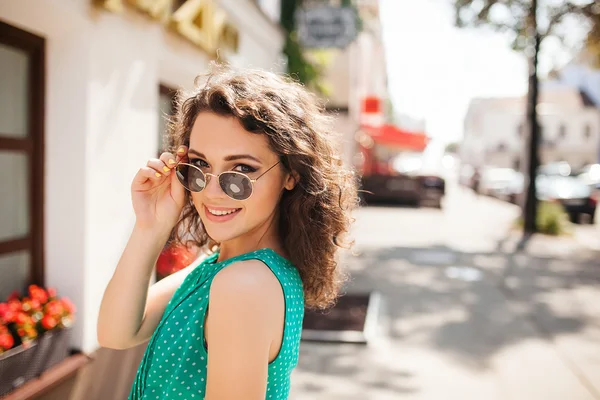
(496, 325)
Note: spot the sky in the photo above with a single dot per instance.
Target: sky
(435, 69)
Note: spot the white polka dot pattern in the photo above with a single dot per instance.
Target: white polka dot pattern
(175, 361)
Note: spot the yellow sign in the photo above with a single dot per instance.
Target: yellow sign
(199, 21)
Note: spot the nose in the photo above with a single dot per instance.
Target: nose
(213, 188)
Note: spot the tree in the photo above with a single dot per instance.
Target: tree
(298, 65)
(452, 147)
(529, 22)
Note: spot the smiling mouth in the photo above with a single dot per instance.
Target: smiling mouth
(219, 213)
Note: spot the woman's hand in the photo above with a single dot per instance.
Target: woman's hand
(157, 195)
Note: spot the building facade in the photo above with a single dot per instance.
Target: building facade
(495, 129)
(83, 88)
(354, 74)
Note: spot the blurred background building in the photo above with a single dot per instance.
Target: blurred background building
(495, 129)
(355, 74)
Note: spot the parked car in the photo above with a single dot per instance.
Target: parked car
(590, 175)
(554, 182)
(499, 183)
(411, 178)
(575, 196)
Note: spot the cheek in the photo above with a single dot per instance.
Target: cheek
(196, 199)
(263, 201)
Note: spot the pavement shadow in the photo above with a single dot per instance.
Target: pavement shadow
(472, 305)
(338, 361)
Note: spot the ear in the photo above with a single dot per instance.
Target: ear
(291, 180)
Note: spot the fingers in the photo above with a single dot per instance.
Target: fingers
(181, 153)
(159, 167)
(169, 161)
(145, 175)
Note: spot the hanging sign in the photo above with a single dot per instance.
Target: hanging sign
(326, 27)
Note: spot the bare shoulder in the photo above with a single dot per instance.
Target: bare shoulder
(248, 280)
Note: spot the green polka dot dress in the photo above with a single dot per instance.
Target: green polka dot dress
(174, 364)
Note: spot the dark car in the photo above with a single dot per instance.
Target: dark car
(576, 197)
(408, 180)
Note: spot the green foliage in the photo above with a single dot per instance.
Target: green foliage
(551, 219)
(452, 147)
(514, 18)
(306, 68)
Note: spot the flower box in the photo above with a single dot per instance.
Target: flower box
(21, 364)
(34, 335)
(17, 367)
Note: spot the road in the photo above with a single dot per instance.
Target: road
(465, 317)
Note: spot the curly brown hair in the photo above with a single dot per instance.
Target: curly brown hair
(314, 217)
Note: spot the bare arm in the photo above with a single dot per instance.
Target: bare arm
(243, 330)
(128, 313)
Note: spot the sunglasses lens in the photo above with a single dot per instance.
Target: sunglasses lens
(236, 186)
(191, 178)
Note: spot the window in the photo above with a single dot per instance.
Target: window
(166, 109)
(562, 132)
(21, 159)
(587, 131)
(501, 147)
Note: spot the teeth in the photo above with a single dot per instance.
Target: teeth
(217, 212)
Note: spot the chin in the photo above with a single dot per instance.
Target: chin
(220, 234)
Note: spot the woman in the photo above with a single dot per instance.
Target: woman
(255, 178)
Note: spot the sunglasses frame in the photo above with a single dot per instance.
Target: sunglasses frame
(207, 174)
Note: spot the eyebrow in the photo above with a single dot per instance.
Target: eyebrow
(232, 157)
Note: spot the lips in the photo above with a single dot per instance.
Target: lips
(220, 214)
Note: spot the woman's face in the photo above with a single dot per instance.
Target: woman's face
(219, 144)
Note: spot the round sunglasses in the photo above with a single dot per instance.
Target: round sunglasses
(235, 184)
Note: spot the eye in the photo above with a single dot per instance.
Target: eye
(198, 162)
(244, 169)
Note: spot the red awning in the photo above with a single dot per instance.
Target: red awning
(392, 135)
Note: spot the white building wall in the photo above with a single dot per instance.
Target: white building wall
(489, 124)
(101, 124)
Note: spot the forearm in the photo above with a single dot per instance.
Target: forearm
(124, 302)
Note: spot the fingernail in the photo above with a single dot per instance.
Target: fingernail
(158, 175)
(171, 161)
(166, 169)
(181, 150)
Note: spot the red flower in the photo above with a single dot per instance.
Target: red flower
(9, 316)
(6, 341)
(36, 292)
(51, 292)
(13, 296)
(68, 305)
(22, 318)
(54, 308)
(48, 322)
(15, 305)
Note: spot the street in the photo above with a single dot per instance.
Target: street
(466, 315)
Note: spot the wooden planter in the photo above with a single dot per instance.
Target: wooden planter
(20, 365)
(354, 319)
